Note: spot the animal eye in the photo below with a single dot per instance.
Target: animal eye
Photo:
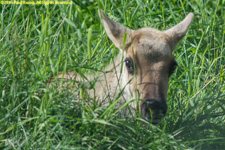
(129, 65)
(172, 68)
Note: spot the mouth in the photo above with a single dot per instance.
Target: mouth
(154, 120)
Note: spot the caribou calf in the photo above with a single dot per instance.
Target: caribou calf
(142, 68)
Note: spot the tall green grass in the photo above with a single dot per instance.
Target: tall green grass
(37, 42)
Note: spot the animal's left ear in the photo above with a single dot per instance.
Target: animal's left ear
(177, 32)
(115, 31)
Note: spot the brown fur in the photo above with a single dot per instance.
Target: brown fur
(150, 51)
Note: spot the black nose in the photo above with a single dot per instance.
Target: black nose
(153, 110)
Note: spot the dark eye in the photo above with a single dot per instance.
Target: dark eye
(129, 65)
(173, 66)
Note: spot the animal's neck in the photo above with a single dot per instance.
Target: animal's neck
(110, 82)
(117, 76)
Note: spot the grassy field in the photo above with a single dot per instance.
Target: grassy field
(39, 41)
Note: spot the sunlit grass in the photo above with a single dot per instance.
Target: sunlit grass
(37, 42)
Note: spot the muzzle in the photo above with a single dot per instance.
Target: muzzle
(153, 110)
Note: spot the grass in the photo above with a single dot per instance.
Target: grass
(39, 41)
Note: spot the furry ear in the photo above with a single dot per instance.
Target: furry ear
(177, 32)
(114, 30)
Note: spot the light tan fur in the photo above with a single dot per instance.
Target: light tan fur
(150, 51)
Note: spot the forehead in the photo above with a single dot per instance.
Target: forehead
(151, 44)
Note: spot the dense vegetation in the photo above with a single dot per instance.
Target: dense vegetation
(39, 41)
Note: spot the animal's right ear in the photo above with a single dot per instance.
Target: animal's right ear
(177, 32)
(115, 31)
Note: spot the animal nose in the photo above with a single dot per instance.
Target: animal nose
(153, 110)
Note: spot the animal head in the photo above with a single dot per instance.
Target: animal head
(148, 59)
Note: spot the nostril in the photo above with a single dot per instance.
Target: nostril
(157, 105)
